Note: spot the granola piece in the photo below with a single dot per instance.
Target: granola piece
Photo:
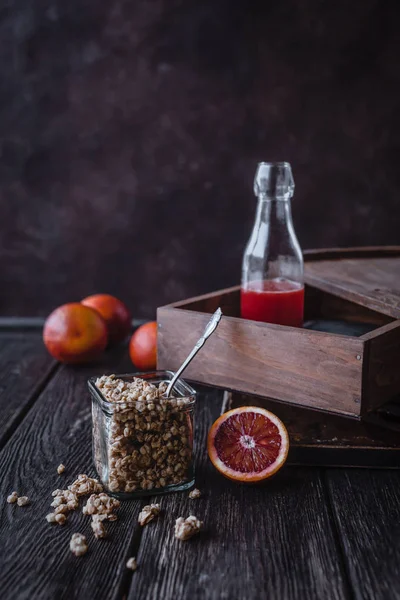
(148, 513)
(98, 526)
(61, 510)
(100, 504)
(23, 501)
(60, 469)
(131, 564)
(84, 485)
(58, 492)
(162, 388)
(111, 517)
(78, 545)
(58, 500)
(51, 518)
(196, 493)
(60, 519)
(13, 497)
(186, 528)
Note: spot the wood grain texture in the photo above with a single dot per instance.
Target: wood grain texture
(382, 378)
(35, 560)
(25, 366)
(301, 367)
(276, 541)
(313, 255)
(227, 299)
(36, 323)
(319, 304)
(367, 509)
(273, 541)
(371, 282)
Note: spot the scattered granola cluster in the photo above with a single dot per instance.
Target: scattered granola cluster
(187, 528)
(98, 526)
(101, 504)
(20, 500)
(60, 469)
(64, 501)
(148, 437)
(85, 485)
(102, 507)
(78, 545)
(68, 500)
(148, 513)
(59, 518)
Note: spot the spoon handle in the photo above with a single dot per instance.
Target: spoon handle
(209, 330)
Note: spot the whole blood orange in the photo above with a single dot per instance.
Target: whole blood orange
(74, 333)
(248, 444)
(115, 313)
(143, 347)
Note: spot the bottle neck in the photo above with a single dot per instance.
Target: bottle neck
(273, 240)
(274, 212)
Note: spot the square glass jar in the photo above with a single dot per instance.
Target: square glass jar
(143, 448)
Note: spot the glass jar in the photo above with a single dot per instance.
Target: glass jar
(272, 288)
(142, 446)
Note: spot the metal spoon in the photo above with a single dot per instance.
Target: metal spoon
(211, 327)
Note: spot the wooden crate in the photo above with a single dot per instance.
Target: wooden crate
(348, 375)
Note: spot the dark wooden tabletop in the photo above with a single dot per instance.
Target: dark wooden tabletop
(310, 533)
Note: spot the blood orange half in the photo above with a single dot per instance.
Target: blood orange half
(248, 444)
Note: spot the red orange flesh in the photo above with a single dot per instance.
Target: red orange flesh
(248, 444)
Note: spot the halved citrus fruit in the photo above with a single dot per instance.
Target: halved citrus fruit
(248, 444)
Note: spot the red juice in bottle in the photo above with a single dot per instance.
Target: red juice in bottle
(279, 301)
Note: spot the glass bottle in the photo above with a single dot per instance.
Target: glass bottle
(273, 269)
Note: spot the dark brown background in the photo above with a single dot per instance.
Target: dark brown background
(130, 131)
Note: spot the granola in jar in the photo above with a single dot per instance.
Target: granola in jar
(142, 441)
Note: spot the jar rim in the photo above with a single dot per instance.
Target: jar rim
(184, 389)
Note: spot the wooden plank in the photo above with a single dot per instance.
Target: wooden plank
(25, 366)
(382, 378)
(228, 300)
(354, 252)
(370, 282)
(307, 368)
(22, 323)
(35, 560)
(36, 323)
(273, 541)
(319, 304)
(367, 509)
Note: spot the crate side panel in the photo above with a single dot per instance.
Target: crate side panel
(228, 300)
(383, 366)
(302, 367)
(370, 282)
